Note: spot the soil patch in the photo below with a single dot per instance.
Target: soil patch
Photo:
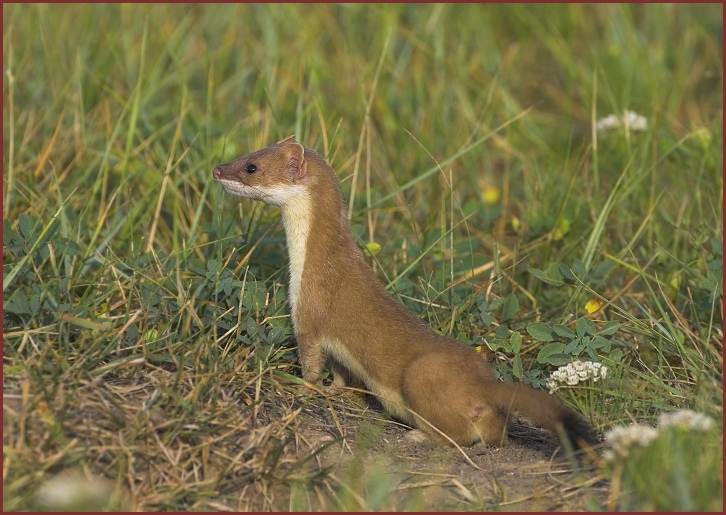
(378, 465)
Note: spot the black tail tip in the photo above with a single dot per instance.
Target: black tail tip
(579, 432)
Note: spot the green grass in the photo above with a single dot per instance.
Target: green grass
(125, 265)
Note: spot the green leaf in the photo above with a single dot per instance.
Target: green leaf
(253, 297)
(603, 268)
(600, 343)
(358, 229)
(498, 343)
(586, 326)
(579, 267)
(567, 272)
(559, 359)
(717, 246)
(66, 246)
(34, 303)
(7, 231)
(516, 341)
(510, 307)
(574, 347)
(25, 224)
(610, 328)
(224, 285)
(502, 332)
(482, 304)
(495, 304)
(49, 231)
(564, 332)
(545, 353)
(17, 303)
(11, 241)
(252, 327)
(486, 318)
(517, 368)
(212, 266)
(540, 331)
(44, 251)
(616, 355)
(45, 234)
(276, 335)
(544, 277)
(404, 285)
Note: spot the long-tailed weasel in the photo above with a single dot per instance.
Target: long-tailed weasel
(340, 310)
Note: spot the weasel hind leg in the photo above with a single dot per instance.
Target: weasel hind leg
(490, 424)
(449, 395)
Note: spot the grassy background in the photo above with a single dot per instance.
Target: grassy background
(464, 138)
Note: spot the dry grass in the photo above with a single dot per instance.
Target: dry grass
(167, 446)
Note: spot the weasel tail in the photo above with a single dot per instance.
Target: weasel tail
(543, 410)
(343, 315)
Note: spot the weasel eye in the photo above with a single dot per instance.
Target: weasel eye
(251, 168)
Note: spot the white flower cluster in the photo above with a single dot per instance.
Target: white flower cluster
(630, 119)
(687, 419)
(576, 372)
(70, 489)
(622, 438)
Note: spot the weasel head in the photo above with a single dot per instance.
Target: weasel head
(276, 175)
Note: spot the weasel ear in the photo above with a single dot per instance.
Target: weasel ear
(296, 163)
(289, 139)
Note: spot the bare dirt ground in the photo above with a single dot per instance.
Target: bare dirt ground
(379, 466)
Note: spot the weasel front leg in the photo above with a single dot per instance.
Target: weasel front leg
(312, 358)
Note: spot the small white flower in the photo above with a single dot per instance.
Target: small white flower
(622, 438)
(635, 121)
(687, 419)
(630, 119)
(599, 371)
(574, 373)
(607, 123)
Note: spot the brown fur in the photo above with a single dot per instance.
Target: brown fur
(341, 310)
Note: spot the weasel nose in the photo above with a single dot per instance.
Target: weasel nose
(217, 172)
